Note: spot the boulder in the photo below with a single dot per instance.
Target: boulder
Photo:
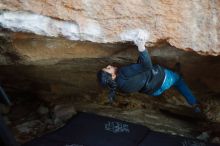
(63, 112)
(188, 25)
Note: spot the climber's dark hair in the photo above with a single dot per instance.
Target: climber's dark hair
(105, 80)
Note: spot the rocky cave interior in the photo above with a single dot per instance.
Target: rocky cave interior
(50, 79)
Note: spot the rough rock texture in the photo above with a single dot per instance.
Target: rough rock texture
(63, 112)
(63, 62)
(189, 24)
(45, 70)
(26, 48)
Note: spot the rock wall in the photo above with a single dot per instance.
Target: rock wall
(188, 25)
(44, 60)
(58, 46)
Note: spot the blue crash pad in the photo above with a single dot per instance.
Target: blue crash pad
(92, 130)
(161, 139)
(87, 129)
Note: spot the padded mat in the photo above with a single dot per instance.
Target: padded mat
(87, 129)
(92, 130)
(161, 139)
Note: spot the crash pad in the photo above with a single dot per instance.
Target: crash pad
(87, 129)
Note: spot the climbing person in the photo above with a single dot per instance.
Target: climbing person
(144, 77)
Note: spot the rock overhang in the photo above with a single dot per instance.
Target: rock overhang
(186, 25)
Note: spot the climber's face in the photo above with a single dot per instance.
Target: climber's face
(111, 70)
